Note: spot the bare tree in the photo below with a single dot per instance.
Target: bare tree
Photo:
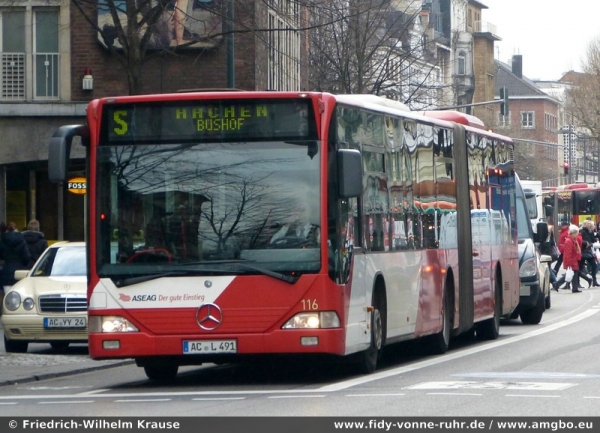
(583, 104)
(583, 98)
(373, 46)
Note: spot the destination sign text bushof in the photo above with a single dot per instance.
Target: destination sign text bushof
(206, 120)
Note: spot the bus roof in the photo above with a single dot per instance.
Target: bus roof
(456, 117)
(574, 186)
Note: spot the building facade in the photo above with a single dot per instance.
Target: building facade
(532, 121)
(57, 55)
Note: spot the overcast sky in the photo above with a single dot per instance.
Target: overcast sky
(551, 35)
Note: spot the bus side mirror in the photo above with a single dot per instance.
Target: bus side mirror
(350, 174)
(59, 150)
(548, 210)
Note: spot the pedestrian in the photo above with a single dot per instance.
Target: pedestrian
(571, 258)
(13, 249)
(562, 236)
(589, 258)
(36, 242)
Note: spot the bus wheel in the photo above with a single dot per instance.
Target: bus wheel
(367, 360)
(161, 373)
(490, 329)
(441, 341)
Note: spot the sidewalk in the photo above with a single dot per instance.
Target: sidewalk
(30, 367)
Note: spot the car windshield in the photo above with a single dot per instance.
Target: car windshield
(62, 262)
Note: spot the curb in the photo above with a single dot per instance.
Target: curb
(50, 375)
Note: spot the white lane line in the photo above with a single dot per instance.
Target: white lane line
(296, 396)
(455, 355)
(142, 400)
(372, 395)
(452, 393)
(592, 396)
(7, 403)
(532, 395)
(218, 398)
(67, 402)
(95, 391)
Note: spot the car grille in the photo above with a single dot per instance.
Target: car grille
(60, 304)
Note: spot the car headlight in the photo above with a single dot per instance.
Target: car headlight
(111, 324)
(28, 304)
(12, 301)
(528, 268)
(313, 320)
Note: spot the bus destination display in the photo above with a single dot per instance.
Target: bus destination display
(224, 120)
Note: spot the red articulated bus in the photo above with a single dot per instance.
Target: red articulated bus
(231, 224)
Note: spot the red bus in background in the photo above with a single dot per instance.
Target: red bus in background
(224, 225)
(574, 203)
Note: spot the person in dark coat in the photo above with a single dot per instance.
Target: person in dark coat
(13, 250)
(36, 242)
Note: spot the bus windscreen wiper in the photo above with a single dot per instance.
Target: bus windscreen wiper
(122, 282)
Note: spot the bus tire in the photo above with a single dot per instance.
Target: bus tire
(534, 315)
(367, 360)
(440, 342)
(489, 329)
(161, 372)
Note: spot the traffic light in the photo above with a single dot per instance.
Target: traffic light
(566, 168)
(503, 101)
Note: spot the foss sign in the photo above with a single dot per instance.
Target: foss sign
(77, 185)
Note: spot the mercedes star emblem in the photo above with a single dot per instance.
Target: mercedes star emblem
(209, 316)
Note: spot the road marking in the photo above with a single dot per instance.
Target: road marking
(142, 400)
(296, 396)
(529, 375)
(95, 391)
(455, 355)
(372, 395)
(452, 393)
(532, 395)
(530, 386)
(218, 398)
(67, 402)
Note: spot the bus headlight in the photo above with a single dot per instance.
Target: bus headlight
(528, 268)
(313, 320)
(111, 324)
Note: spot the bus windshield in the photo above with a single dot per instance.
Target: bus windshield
(208, 208)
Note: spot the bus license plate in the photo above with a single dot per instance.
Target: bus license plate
(209, 346)
(64, 322)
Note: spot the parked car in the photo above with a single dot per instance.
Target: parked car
(48, 303)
